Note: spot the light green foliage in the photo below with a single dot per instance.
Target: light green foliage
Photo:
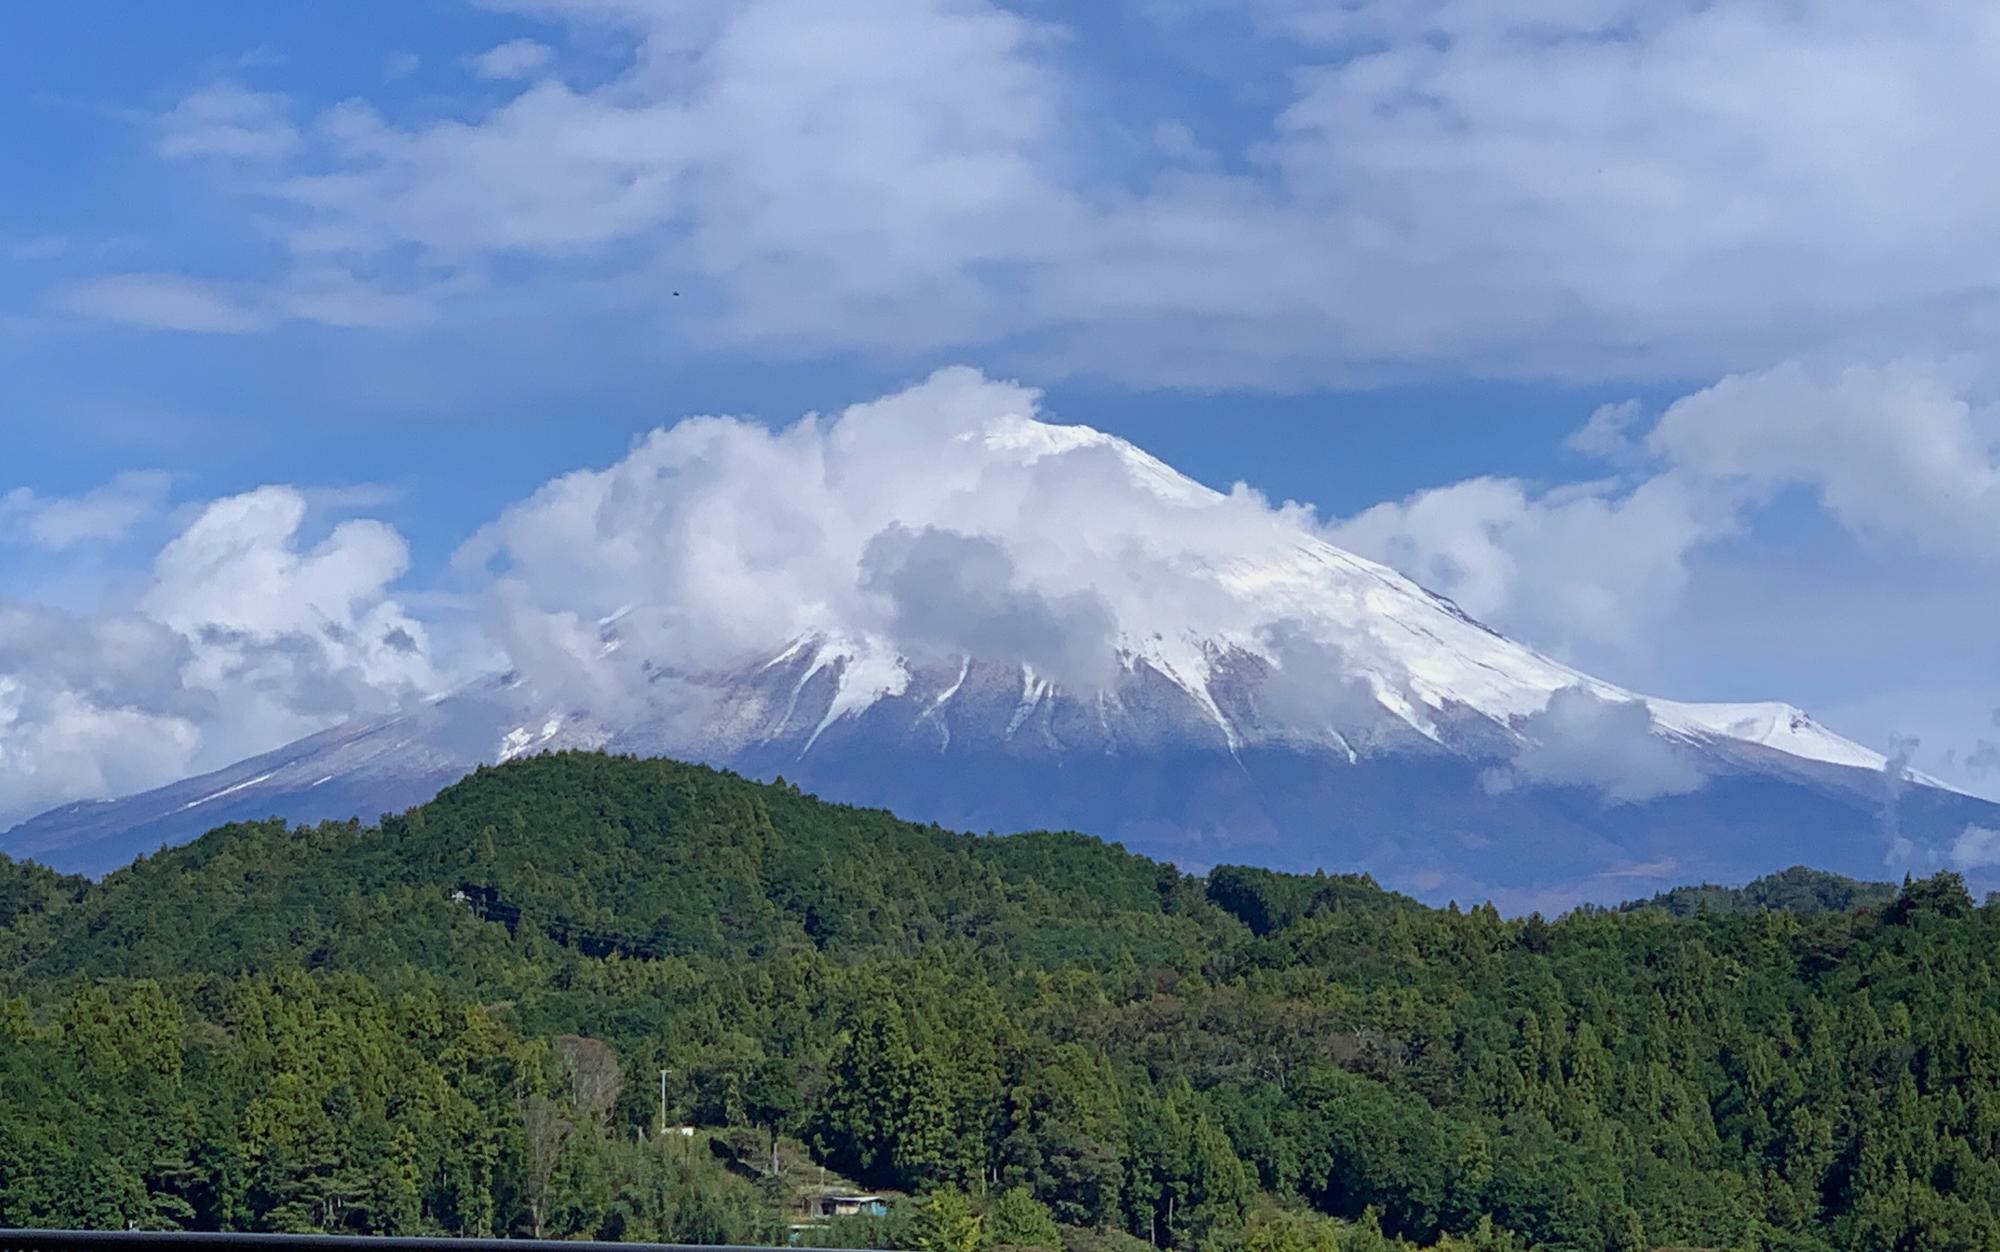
(1016, 1219)
(945, 1221)
(1291, 1231)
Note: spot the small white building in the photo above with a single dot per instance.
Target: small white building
(845, 1204)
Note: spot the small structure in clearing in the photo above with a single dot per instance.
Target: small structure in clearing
(819, 1207)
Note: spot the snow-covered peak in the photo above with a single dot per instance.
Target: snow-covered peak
(947, 548)
(1079, 544)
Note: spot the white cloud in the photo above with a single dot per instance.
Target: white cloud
(228, 121)
(941, 520)
(517, 58)
(1663, 164)
(1895, 450)
(245, 637)
(843, 177)
(719, 540)
(1584, 740)
(1976, 848)
(1586, 189)
(1591, 567)
(937, 520)
(239, 580)
(103, 514)
(1902, 452)
(89, 707)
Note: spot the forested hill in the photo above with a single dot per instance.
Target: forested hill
(455, 1022)
(639, 858)
(1795, 890)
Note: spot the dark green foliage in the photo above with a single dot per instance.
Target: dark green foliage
(1795, 890)
(32, 901)
(455, 1023)
(1267, 901)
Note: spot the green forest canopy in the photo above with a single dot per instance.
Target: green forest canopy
(453, 1023)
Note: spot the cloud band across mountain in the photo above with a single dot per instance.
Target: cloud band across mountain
(945, 521)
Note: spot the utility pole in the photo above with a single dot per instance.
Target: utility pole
(663, 1102)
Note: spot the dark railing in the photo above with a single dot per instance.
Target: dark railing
(198, 1241)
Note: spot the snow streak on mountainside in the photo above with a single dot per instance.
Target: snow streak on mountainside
(941, 603)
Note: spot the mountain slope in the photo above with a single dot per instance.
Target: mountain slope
(1258, 693)
(983, 747)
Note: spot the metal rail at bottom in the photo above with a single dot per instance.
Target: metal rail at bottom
(233, 1241)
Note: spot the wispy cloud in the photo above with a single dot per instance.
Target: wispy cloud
(37, 248)
(228, 121)
(352, 497)
(103, 514)
(321, 293)
(164, 302)
(517, 58)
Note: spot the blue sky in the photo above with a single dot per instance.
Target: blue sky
(411, 261)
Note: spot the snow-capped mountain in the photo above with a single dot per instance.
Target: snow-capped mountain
(1255, 693)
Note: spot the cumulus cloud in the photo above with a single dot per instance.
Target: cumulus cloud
(302, 636)
(1905, 451)
(1582, 739)
(89, 707)
(719, 540)
(103, 514)
(1587, 189)
(943, 520)
(1896, 449)
(1581, 567)
(247, 635)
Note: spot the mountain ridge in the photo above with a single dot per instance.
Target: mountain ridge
(1258, 693)
(1392, 804)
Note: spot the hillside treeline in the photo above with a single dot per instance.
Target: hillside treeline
(454, 1023)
